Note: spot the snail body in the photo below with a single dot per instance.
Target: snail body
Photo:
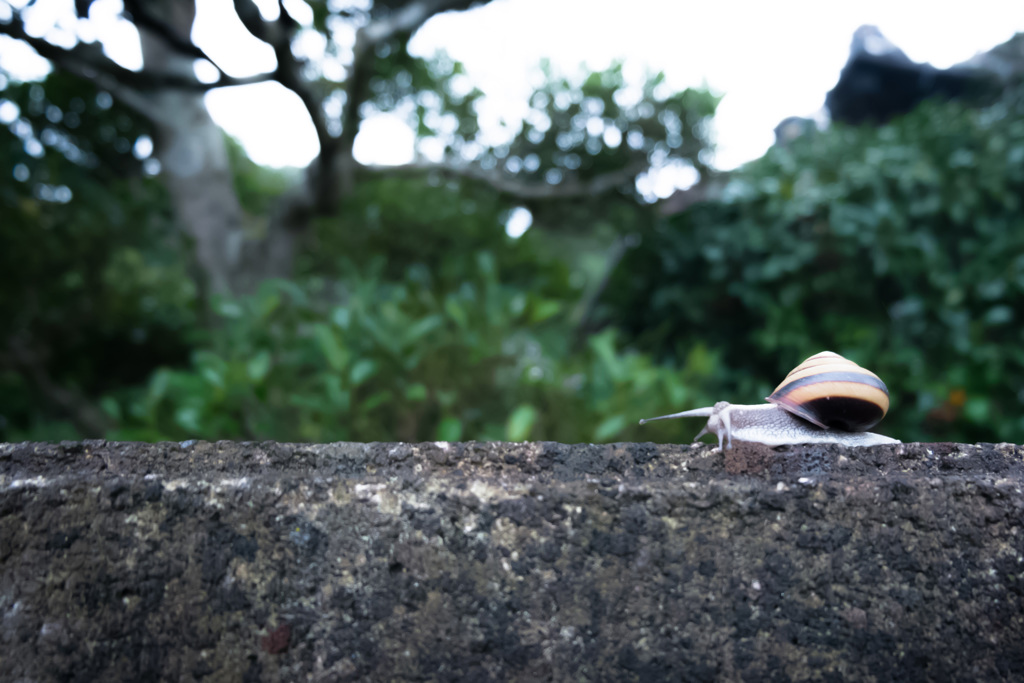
(825, 399)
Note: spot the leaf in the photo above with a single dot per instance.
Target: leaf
(517, 304)
(385, 339)
(700, 361)
(339, 397)
(213, 375)
(485, 262)
(450, 429)
(296, 292)
(229, 309)
(375, 400)
(420, 328)
(446, 397)
(341, 317)
(363, 369)
(978, 410)
(543, 310)
(110, 406)
(520, 422)
(258, 366)
(158, 385)
(456, 312)
(269, 301)
(603, 345)
(187, 418)
(416, 392)
(998, 315)
(336, 355)
(609, 427)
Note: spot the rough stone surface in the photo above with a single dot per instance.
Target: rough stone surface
(504, 561)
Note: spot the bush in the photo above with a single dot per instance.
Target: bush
(372, 359)
(96, 290)
(901, 247)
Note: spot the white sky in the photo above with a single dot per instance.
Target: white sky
(769, 59)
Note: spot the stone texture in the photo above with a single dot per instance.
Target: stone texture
(502, 561)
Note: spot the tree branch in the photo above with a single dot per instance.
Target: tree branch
(332, 174)
(140, 15)
(507, 184)
(88, 61)
(407, 19)
(357, 85)
(279, 34)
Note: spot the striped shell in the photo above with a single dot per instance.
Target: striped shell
(833, 392)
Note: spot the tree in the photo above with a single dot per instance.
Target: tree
(96, 287)
(194, 161)
(130, 326)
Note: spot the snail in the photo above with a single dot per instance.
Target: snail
(825, 399)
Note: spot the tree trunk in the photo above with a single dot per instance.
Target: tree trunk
(196, 170)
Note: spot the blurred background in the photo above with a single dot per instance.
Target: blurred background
(442, 219)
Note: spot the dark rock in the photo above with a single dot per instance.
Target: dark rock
(879, 81)
(499, 561)
(1005, 61)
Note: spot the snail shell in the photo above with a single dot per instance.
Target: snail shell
(833, 393)
(825, 399)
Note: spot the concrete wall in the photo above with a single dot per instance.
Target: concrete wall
(501, 561)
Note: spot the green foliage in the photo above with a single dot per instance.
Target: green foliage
(95, 287)
(899, 247)
(595, 128)
(605, 124)
(461, 332)
(438, 231)
(371, 359)
(576, 129)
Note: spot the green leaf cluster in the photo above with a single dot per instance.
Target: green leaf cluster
(459, 332)
(901, 247)
(96, 287)
(368, 358)
(414, 316)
